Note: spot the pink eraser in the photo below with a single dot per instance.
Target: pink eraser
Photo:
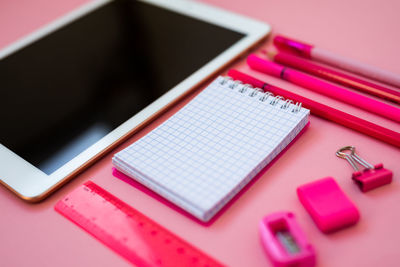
(284, 242)
(328, 205)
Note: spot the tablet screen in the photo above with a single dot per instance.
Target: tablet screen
(66, 91)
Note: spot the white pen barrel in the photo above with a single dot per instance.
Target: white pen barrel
(355, 66)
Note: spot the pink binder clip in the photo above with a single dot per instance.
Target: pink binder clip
(285, 242)
(369, 178)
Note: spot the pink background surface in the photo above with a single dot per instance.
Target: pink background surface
(35, 235)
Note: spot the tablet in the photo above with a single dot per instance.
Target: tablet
(77, 87)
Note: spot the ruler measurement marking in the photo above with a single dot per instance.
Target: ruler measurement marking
(132, 235)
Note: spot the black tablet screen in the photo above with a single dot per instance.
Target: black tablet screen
(66, 91)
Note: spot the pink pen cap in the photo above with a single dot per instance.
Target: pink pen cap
(293, 46)
(284, 242)
(265, 66)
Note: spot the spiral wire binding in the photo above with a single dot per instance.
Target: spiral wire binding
(264, 96)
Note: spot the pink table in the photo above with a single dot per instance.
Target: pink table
(35, 235)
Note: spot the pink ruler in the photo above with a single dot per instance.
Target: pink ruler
(127, 231)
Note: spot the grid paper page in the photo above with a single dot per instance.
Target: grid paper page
(211, 148)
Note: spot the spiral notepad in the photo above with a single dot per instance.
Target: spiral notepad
(204, 154)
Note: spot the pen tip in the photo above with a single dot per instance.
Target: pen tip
(270, 54)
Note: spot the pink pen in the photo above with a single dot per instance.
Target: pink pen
(324, 111)
(334, 76)
(319, 86)
(327, 57)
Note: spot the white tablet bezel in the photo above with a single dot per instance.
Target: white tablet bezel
(31, 184)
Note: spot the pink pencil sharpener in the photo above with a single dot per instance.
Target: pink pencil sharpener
(284, 241)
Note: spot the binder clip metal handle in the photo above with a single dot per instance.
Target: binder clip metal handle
(371, 177)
